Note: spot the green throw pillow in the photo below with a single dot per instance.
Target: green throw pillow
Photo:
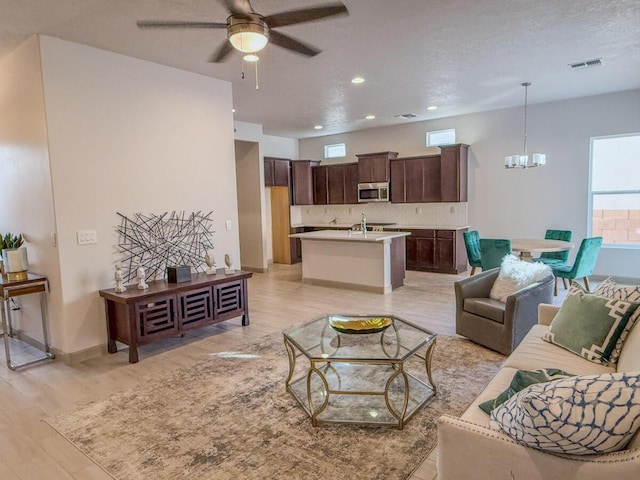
(589, 325)
(521, 380)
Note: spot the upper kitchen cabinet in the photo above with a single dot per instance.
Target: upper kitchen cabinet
(453, 173)
(416, 179)
(374, 167)
(320, 185)
(276, 172)
(303, 181)
(342, 183)
(431, 178)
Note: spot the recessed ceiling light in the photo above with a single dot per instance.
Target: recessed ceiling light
(318, 127)
(432, 107)
(251, 57)
(233, 110)
(370, 117)
(357, 80)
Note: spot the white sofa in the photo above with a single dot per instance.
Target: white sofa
(469, 449)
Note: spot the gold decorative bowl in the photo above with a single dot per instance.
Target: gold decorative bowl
(360, 325)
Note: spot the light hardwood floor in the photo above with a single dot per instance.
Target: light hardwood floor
(31, 450)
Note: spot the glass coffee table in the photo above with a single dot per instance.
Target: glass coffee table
(363, 369)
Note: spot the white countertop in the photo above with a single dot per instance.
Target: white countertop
(347, 236)
(394, 226)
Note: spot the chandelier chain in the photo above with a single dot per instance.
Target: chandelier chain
(526, 89)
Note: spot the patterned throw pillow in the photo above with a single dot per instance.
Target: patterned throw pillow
(578, 415)
(589, 325)
(609, 288)
(521, 380)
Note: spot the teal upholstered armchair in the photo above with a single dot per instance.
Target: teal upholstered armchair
(492, 251)
(586, 259)
(472, 244)
(556, 258)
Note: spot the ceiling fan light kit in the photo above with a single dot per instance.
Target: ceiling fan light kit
(249, 32)
(248, 35)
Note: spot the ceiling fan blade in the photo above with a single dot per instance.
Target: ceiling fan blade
(222, 53)
(238, 7)
(305, 15)
(173, 24)
(292, 44)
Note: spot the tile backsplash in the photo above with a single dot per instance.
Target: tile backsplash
(415, 214)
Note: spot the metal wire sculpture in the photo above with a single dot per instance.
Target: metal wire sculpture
(157, 241)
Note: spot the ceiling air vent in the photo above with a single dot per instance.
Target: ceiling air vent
(407, 116)
(587, 64)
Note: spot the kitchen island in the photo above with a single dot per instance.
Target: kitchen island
(373, 261)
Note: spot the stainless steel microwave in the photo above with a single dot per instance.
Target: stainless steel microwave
(373, 192)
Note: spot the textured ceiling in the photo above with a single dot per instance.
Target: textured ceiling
(463, 55)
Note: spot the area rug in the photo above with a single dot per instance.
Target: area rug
(229, 417)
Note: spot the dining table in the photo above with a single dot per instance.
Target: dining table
(527, 246)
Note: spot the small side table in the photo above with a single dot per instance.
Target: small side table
(14, 287)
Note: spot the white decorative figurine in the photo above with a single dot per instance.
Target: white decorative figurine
(141, 274)
(227, 261)
(120, 288)
(211, 262)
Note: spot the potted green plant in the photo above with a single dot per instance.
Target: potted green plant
(14, 259)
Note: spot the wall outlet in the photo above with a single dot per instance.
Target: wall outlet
(87, 237)
(54, 240)
(452, 209)
(350, 210)
(227, 225)
(418, 210)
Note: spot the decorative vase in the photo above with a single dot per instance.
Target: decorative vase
(15, 260)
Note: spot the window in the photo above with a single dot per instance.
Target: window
(615, 189)
(441, 137)
(335, 151)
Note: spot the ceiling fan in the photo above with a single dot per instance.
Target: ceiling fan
(249, 32)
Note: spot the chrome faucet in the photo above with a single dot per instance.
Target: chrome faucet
(335, 220)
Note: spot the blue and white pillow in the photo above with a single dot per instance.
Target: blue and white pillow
(579, 415)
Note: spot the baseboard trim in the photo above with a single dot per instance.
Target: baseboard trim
(346, 286)
(81, 355)
(254, 270)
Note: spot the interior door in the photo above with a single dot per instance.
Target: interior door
(280, 225)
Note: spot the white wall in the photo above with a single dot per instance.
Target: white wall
(250, 215)
(25, 177)
(520, 203)
(128, 136)
(268, 146)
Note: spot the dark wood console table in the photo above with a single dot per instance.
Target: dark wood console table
(137, 317)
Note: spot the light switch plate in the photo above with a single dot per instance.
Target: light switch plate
(87, 237)
(227, 225)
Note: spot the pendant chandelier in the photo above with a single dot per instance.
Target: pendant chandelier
(522, 161)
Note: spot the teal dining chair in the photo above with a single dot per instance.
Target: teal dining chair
(586, 259)
(556, 258)
(472, 244)
(492, 251)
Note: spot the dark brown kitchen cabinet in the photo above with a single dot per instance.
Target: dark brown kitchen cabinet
(374, 167)
(320, 185)
(439, 251)
(397, 179)
(342, 183)
(296, 244)
(453, 173)
(351, 183)
(420, 180)
(276, 172)
(302, 180)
